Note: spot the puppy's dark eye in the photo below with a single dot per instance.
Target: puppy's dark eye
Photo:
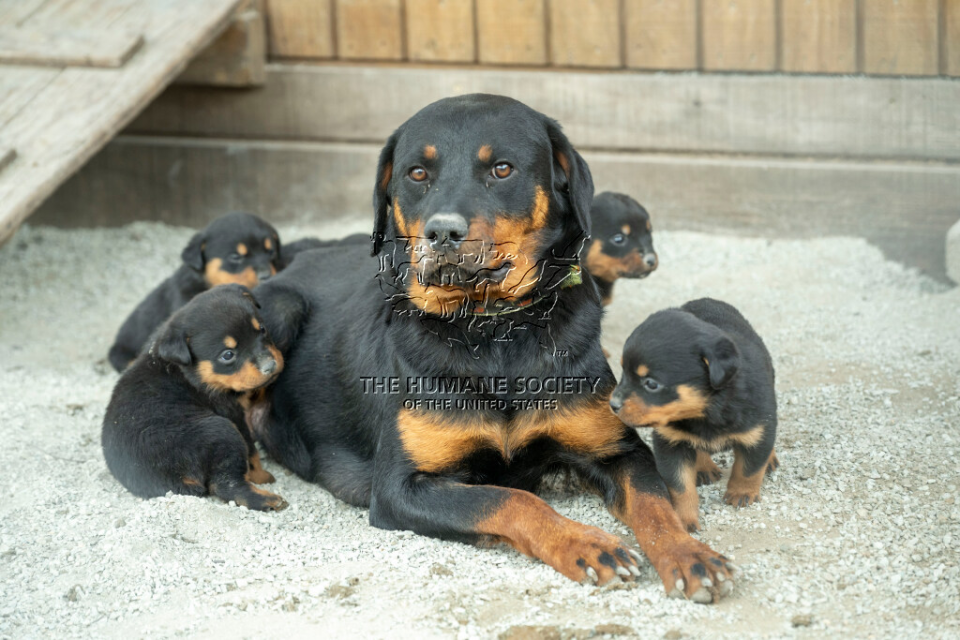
(236, 257)
(651, 385)
(418, 174)
(502, 170)
(618, 239)
(263, 330)
(228, 356)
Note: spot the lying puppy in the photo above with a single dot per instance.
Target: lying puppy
(703, 379)
(236, 248)
(176, 418)
(622, 245)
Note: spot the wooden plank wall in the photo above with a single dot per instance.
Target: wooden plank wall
(877, 37)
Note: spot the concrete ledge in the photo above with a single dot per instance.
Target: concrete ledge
(905, 208)
(835, 116)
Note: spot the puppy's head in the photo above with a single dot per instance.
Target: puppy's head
(237, 248)
(220, 343)
(622, 244)
(674, 366)
(476, 197)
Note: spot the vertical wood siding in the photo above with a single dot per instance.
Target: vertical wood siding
(882, 37)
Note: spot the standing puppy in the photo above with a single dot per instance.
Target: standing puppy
(703, 379)
(622, 245)
(237, 248)
(176, 418)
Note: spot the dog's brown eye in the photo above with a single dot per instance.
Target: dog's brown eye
(652, 385)
(228, 356)
(418, 174)
(502, 170)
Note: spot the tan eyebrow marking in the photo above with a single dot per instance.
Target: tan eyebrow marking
(430, 152)
(485, 152)
(230, 342)
(242, 249)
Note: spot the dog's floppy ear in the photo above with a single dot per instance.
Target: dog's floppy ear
(192, 255)
(722, 358)
(172, 345)
(381, 192)
(246, 293)
(571, 175)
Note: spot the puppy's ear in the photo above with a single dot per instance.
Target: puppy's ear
(571, 176)
(722, 359)
(192, 255)
(382, 192)
(249, 296)
(172, 346)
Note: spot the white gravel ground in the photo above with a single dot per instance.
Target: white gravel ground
(855, 537)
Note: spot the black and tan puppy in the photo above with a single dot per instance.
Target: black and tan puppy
(237, 248)
(440, 381)
(175, 421)
(703, 379)
(622, 244)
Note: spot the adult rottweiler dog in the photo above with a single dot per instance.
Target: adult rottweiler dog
(622, 243)
(236, 248)
(441, 380)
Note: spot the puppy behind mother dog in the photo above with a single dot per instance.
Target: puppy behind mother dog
(481, 208)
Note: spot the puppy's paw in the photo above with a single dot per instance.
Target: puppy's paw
(740, 498)
(260, 476)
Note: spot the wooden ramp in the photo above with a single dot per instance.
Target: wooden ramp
(74, 72)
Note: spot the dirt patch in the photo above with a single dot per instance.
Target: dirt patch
(855, 535)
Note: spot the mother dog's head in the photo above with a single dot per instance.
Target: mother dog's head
(479, 198)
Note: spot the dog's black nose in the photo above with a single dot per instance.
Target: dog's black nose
(446, 229)
(267, 366)
(650, 259)
(616, 403)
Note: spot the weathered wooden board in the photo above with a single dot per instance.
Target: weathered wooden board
(68, 48)
(511, 32)
(900, 37)
(16, 12)
(77, 111)
(906, 208)
(18, 86)
(440, 30)
(585, 33)
(740, 35)
(797, 115)
(661, 34)
(819, 36)
(369, 30)
(300, 28)
(951, 37)
(237, 58)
